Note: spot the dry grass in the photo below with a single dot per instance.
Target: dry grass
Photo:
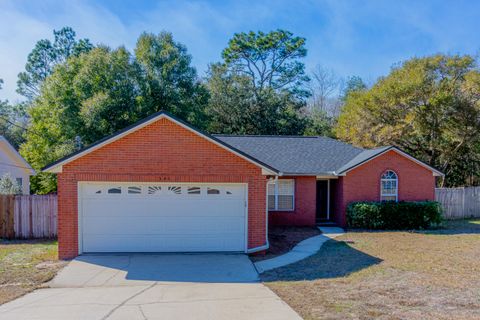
(388, 275)
(25, 266)
(283, 239)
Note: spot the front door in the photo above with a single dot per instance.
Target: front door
(322, 200)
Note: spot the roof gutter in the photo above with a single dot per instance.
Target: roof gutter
(323, 174)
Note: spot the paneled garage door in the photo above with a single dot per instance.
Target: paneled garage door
(162, 217)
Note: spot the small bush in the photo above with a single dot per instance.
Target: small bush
(394, 215)
(8, 185)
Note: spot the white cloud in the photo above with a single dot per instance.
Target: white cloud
(18, 34)
(20, 31)
(197, 24)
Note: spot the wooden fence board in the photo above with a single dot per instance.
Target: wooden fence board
(459, 203)
(9, 213)
(28, 216)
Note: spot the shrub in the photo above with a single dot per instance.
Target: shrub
(394, 215)
(8, 185)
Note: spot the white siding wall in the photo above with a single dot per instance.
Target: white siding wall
(8, 164)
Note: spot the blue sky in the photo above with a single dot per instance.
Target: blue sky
(362, 38)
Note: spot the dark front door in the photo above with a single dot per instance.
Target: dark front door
(322, 200)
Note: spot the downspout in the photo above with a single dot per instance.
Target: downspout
(267, 244)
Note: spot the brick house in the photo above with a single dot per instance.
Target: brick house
(161, 185)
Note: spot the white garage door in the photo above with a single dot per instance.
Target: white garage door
(162, 217)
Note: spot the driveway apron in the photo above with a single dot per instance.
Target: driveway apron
(153, 286)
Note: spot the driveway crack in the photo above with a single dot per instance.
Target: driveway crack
(141, 311)
(128, 299)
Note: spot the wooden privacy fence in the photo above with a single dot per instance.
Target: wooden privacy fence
(459, 203)
(28, 216)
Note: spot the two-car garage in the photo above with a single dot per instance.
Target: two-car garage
(161, 185)
(162, 217)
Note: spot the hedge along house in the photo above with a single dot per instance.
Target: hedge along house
(161, 185)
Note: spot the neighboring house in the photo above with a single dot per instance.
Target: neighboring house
(12, 162)
(163, 186)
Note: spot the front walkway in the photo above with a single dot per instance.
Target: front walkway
(153, 286)
(303, 250)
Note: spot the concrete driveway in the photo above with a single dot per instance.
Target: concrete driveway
(153, 286)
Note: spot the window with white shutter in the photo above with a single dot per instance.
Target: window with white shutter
(283, 200)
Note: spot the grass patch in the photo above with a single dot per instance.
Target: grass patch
(432, 274)
(25, 266)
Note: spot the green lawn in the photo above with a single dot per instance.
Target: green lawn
(432, 274)
(25, 266)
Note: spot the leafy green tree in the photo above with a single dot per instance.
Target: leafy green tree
(319, 124)
(260, 86)
(90, 96)
(100, 92)
(8, 185)
(11, 124)
(269, 60)
(45, 55)
(353, 84)
(169, 82)
(427, 106)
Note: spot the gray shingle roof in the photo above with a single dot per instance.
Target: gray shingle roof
(362, 157)
(296, 154)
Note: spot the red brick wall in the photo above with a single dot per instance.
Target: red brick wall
(305, 205)
(415, 182)
(161, 151)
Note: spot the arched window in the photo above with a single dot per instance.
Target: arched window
(389, 186)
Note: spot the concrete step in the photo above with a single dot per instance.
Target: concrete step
(326, 224)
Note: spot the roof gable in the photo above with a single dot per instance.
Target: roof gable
(56, 167)
(15, 157)
(368, 155)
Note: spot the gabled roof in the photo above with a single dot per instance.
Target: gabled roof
(16, 157)
(360, 158)
(371, 154)
(276, 155)
(56, 166)
(296, 155)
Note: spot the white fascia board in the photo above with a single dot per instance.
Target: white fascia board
(268, 172)
(21, 162)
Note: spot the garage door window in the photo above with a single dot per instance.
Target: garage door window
(213, 191)
(173, 190)
(115, 190)
(154, 189)
(134, 190)
(193, 190)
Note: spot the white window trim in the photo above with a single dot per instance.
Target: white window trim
(382, 195)
(276, 195)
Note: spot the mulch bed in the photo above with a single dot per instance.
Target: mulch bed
(283, 239)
